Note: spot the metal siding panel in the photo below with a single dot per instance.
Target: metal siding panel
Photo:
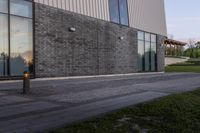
(81, 6)
(101, 9)
(46, 2)
(97, 9)
(55, 3)
(67, 4)
(148, 15)
(50, 2)
(107, 10)
(59, 4)
(40, 1)
(104, 11)
(74, 6)
(78, 6)
(88, 8)
(84, 7)
(63, 4)
(94, 8)
(91, 9)
(70, 5)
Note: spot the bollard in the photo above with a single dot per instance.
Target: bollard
(26, 82)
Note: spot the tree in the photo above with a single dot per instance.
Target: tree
(191, 46)
(197, 49)
(191, 43)
(193, 50)
(197, 44)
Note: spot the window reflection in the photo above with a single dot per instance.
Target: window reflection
(118, 11)
(21, 45)
(147, 37)
(123, 12)
(4, 6)
(147, 60)
(114, 11)
(153, 56)
(20, 58)
(140, 55)
(21, 8)
(153, 38)
(147, 55)
(3, 44)
(140, 35)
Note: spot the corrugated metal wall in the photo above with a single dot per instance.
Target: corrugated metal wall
(146, 15)
(94, 8)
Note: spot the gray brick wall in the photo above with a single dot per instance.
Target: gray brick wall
(93, 49)
(160, 53)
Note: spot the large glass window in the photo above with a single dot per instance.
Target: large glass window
(147, 55)
(123, 9)
(21, 45)
(3, 44)
(16, 41)
(141, 55)
(153, 56)
(153, 53)
(114, 11)
(141, 35)
(141, 51)
(147, 37)
(21, 8)
(119, 11)
(4, 6)
(147, 60)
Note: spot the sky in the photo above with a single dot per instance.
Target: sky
(183, 19)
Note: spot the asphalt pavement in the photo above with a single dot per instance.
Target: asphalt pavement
(55, 102)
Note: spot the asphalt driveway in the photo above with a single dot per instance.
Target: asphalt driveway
(53, 103)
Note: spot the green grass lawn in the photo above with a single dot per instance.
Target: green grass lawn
(178, 113)
(190, 66)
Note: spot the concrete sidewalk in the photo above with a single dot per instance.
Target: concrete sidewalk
(54, 103)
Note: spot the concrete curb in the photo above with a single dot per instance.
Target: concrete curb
(82, 77)
(96, 76)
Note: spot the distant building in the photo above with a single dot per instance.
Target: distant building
(52, 38)
(174, 47)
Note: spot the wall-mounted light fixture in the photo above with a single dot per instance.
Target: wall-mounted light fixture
(72, 29)
(121, 38)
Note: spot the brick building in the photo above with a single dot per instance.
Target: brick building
(53, 38)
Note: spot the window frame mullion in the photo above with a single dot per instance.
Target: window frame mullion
(8, 62)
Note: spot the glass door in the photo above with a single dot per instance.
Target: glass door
(147, 60)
